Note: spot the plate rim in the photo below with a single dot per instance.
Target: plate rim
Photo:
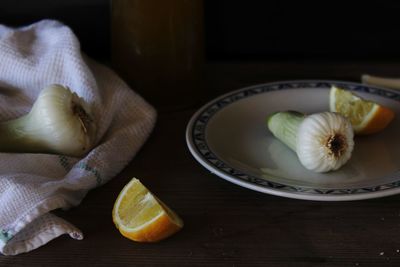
(274, 188)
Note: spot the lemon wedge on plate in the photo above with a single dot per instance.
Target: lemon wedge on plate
(366, 117)
(141, 216)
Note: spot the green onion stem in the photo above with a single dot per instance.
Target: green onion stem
(15, 137)
(285, 125)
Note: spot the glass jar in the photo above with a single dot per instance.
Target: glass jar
(158, 48)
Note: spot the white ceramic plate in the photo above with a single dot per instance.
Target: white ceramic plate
(229, 137)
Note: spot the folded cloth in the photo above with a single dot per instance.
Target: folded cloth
(32, 185)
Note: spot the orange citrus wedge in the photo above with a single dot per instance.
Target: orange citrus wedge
(366, 117)
(142, 217)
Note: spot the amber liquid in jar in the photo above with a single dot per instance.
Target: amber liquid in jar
(157, 48)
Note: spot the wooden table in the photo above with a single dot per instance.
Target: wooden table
(227, 225)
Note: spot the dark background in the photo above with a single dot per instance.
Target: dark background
(246, 30)
(275, 29)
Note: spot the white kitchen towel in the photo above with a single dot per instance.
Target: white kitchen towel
(32, 185)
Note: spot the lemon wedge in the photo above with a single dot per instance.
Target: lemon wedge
(141, 216)
(366, 117)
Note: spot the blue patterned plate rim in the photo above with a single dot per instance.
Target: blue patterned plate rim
(197, 144)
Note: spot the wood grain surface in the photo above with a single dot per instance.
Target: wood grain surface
(226, 225)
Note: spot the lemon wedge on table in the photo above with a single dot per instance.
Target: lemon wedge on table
(141, 216)
(366, 117)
